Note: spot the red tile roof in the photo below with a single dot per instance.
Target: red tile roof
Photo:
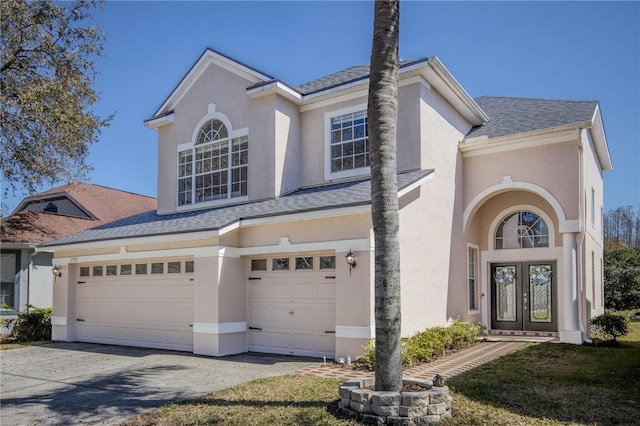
(106, 204)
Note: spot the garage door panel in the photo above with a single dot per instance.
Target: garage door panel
(293, 309)
(147, 311)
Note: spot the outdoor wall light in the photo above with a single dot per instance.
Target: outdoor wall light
(56, 271)
(351, 260)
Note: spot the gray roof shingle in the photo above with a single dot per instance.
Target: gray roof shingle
(509, 116)
(343, 194)
(349, 75)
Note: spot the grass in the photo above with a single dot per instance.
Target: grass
(553, 384)
(542, 384)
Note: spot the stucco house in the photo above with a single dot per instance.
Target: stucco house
(263, 190)
(26, 273)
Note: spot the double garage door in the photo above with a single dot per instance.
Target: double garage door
(146, 304)
(292, 305)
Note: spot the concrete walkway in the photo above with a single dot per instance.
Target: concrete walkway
(448, 366)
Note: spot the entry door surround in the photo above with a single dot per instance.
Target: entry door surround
(524, 296)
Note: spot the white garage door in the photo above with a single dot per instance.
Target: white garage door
(292, 305)
(146, 304)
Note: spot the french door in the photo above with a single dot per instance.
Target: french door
(523, 296)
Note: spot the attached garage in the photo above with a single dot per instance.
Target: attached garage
(292, 304)
(141, 303)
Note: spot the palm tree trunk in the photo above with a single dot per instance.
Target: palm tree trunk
(382, 119)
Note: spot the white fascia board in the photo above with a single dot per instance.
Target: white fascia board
(207, 58)
(156, 123)
(483, 145)
(119, 242)
(600, 141)
(415, 184)
(276, 87)
(453, 91)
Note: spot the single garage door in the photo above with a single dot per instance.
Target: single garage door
(292, 305)
(143, 303)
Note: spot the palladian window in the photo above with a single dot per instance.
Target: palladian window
(216, 168)
(522, 229)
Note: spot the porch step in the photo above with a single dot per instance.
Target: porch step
(521, 336)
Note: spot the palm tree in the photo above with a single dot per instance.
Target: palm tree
(382, 122)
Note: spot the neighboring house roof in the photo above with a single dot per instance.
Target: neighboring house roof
(508, 116)
(323, 197)
(101, 205)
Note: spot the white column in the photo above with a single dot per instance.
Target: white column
(569, 323)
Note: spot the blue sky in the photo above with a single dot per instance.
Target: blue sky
(557, 50)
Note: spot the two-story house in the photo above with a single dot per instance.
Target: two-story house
(263, 191)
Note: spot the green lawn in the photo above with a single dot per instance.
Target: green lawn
(538, 385)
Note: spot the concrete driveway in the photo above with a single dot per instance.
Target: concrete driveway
(73, 383)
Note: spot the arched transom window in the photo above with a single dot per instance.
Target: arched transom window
(215, 167)
(523, 229)
(211, 131)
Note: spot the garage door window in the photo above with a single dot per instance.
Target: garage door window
(280, 264)
(188, 266)
(258, 264)
(97, 271)
(112, 270)
(304, 263)
(125, 269)
(84, 271)
(141, 268)
(173, 267)
(327, 262)
(157, 268)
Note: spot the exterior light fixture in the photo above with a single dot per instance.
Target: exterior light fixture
(56, 271)
(351, 260)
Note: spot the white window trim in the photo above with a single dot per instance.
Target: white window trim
(477, 279)
(232, 134)
(328, 174)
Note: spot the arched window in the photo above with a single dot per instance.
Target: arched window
(522, 229)
(211, 131)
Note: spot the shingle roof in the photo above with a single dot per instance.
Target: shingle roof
(509, 116)
(344, 194)
(105, 204)
(351, 74)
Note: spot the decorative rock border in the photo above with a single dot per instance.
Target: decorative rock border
(395, 408)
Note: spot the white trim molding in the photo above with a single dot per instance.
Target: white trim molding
(219, 328)
(58, 320)
(355, 332)
(508, 184)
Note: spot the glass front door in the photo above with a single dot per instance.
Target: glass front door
(523, 296)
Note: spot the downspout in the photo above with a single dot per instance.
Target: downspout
(579, 248)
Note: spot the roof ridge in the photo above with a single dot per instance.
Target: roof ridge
(535, 99)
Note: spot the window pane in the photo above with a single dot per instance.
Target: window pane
(174, 267)
(188, 266)
(141, 268)
(112, 270)
(258, 264)
(157, 268)
(327, 262)
(522, 230)
(125, 269)
(304, 263)
(84, 271)
(97, 271)
(280, 264)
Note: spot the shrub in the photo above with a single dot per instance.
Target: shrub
(430, 343)
(31, 325)
(609, 326)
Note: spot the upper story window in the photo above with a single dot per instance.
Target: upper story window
(348, 143)
(215, 168)
(522, 229)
